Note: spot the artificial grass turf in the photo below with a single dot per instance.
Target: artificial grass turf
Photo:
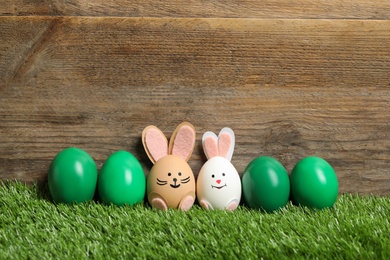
(33, 227)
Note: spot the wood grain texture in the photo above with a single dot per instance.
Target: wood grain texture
(307, 9)
(289, 89)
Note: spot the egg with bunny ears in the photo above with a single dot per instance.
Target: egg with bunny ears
(218, 183)
(171, 182)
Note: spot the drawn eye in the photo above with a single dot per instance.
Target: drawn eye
(213, 176)
(169, 174)
(179, 173)
(223, 174)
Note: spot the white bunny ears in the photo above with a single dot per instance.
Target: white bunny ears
(223, 145)
(182, 142)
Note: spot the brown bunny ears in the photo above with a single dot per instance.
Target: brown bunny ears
(182, 142)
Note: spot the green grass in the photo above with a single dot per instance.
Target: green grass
(33, 227)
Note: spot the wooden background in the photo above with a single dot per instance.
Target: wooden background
(292, 78)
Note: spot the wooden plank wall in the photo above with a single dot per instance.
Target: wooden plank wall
(292, 78)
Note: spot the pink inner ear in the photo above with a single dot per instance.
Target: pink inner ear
(224, 143)
(210, 147)
(157, 144)
(184, 142)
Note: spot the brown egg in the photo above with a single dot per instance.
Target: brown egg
(172, 180)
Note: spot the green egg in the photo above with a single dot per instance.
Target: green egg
(122, 180)
(265, 184)
(314, 183)
(72, 176)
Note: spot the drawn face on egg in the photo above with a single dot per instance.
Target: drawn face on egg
(175, 180)
(217, 175)
(171, 174)
(218, 181)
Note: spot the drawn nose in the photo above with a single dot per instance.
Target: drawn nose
(174, 180)
(218, 181)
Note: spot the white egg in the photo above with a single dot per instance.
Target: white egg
(219, 185)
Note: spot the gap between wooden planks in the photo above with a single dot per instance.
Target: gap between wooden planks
(265, 9)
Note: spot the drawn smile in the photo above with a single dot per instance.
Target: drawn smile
(218, 187)
(175, 186)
